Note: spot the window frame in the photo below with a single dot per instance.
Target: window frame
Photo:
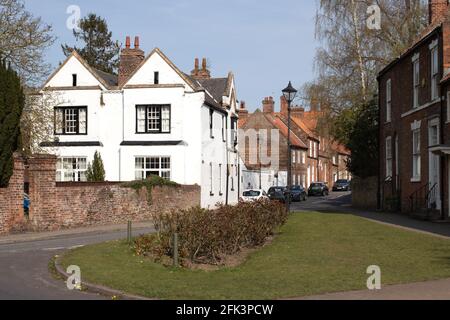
(63, 125)
(74, 80)
(147, 106)
(388, 101)
(159, 169)
(434, 72)
(389, 157)
(416, 85)
(211, 123)
(60, 171)
(156, 77)
(448, 106)
(416, 155)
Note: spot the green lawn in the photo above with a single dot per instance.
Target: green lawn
(314, 253)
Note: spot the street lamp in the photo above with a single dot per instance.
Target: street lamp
(289, 94)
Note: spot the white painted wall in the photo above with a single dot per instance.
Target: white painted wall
(115, 122)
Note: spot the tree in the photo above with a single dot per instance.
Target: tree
(23, 40)
(352, 54)
(37, 120)
(99, 50)
(12, 101)
(96, 171)
(357, 129)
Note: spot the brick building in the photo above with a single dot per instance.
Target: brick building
(314, 158)
(414, 125)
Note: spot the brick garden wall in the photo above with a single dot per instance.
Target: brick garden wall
(11, 200)
(66, 205)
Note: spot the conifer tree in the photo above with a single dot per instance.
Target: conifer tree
(12, 101)
(96, 171)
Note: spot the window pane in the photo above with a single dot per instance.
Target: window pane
(71, 119)
(165, 163)
(141, 119)
(165, 119)
(82, 121)
(139, 163)
(154, 118)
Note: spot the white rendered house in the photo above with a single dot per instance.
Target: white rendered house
(152, 119)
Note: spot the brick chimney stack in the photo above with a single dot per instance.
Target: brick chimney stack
(284, 106)
(242, 113)
(268, 105)
(130, 59)
(437, 9)
(202, 73)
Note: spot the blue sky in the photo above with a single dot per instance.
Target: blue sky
(265, 43)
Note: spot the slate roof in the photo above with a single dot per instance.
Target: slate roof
(216, 86)
(110, 79)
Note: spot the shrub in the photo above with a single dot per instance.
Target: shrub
(208, 236)
(149, 183)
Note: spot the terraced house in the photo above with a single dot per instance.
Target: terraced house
(151, 119)
(315, 158)
(415, 115)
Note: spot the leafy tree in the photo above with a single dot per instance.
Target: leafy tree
(12, 101)
(357, 129)
(96, 171)
(99, 50)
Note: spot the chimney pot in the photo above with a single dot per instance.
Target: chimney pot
(204, 64)
(136, 42)
(128, 42)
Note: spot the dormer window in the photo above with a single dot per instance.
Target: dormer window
(74, 80)
(156, 77)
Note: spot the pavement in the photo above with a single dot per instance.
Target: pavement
(24, 260)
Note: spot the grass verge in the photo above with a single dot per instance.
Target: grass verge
(314, 253)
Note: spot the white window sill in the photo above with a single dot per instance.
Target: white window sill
(417, 109)
(414, 180)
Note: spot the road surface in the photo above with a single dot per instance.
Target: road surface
(24, 270)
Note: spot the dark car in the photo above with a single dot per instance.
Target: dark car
(318, 189)
(277, 194)
(342, 185)
(298, 193)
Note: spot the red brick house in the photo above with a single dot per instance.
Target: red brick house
(414, 122)
(314, 158)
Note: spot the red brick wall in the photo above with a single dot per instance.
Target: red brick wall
(401, 75)
(11, 199)
(65, 205)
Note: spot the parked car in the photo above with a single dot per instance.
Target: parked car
(277, 194)
(254, 195)
(342, 185)
(318, 189)
(298, 193)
